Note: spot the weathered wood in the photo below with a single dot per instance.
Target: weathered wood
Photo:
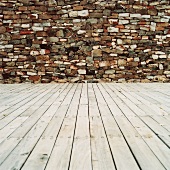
(60, 156)
(119, 147)
(101, 155)
(22, 102)
(30, 137)
(161, 151)
(141, 151)
(158, 129)
(85, 126)
(22, 96)
(162, 121)
(81, 152)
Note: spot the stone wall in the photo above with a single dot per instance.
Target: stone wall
(68, 40)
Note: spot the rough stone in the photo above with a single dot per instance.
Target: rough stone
(110, 71)
(69, 41)
(123, 22)
(2, 29)
(37, 28)
(113, 29)
(152, 12)
(81, 31)
(83, 13)
(104, 64)
(54, 39)
(96, 52)
(75, 80)
(73, 14)
(82, 71)
(122, 62)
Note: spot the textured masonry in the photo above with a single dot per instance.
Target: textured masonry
(67, 40)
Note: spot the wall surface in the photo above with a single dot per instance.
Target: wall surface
(67, 40)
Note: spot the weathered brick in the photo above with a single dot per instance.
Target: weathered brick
(34, 78)
(78, 8)
(23, 8)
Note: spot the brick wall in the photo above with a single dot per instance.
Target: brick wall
(68, 40)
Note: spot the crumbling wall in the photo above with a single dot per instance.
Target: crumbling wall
(68, 40)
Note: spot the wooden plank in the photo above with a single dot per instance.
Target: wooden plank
(55, 94)
(150, 103)
(41, 153)
(81, 152)
(115, 109)
(64, 141)
(84, 98)
(60, 155)
(155, 95)
(5, 132)
(144, 106)
(6, 110)
(167, 117)
(121, 104)
(8, 118)
(40, 93)
(122, 101)
(48, 95)
(16, 105)
(122, 126)
(19, 97)
(161, 151)
(162, 121)
(29, 111)
(101, 155)
(2, 108)
(27, 144)
(147, 106)
(119, 147)
(161, 99)
(10, 93)
(15, 88)
(157, 129)
(24, 148)
(22, 130)
(31, 121)
(125, 91)
(150, 122)
(156, 100)
(6, 148)
(139, 148)
(22, 133)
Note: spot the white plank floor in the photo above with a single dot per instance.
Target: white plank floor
(101, 126)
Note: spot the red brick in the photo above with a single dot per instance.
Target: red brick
(41, 34)
(160, 28)
(34, 78)
(120, 26)
(26, 32)
(162, 24)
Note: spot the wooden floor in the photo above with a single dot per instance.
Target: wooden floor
(85, 126)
